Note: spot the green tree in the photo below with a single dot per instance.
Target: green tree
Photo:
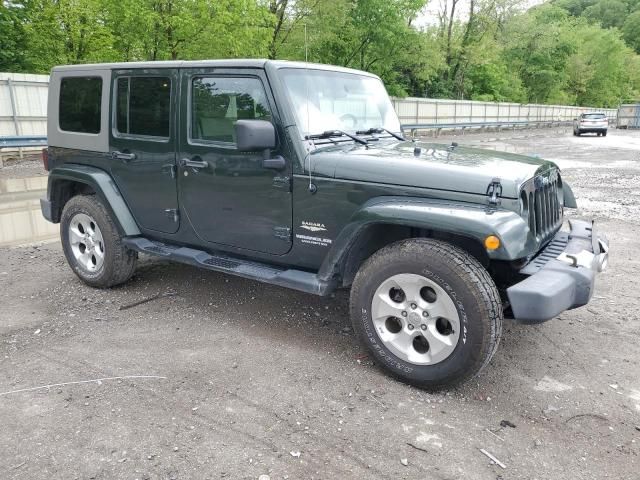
(541, 42)
(631, 31)
(601, 69)
(12, 37)
(608, 13)
(67, 31)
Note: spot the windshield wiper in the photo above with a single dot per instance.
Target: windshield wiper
(380, 130)
(336, 133)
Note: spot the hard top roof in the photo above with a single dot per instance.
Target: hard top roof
(231, 63)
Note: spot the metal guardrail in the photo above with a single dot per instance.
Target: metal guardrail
(18, 142)
(414, 127)
(23, 141)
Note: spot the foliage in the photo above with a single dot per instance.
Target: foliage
(631, 30)
(12, 37)
(564, 51)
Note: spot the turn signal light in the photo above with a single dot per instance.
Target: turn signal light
(492, 242)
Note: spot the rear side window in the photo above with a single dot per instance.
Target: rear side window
(143, 106)
(80, 104)
(218, 102)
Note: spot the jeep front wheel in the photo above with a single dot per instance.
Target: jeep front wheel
(92, 243)
(428, 312)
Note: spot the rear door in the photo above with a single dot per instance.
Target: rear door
(142, 144)
(229, 197)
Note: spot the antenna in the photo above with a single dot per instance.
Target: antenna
(306, 46)
(306, 81)
(312, 187)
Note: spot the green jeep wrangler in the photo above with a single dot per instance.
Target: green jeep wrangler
(298, 175)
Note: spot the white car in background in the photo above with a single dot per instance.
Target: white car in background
(597, 123)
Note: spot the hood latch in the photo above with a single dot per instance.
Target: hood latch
(494, 192)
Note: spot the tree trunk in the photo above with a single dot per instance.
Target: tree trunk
(277, 8)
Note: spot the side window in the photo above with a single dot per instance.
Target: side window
(218, 102)
(143, 106)
(80, 104)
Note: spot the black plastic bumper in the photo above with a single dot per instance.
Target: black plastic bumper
(560, 279)
(592, 130)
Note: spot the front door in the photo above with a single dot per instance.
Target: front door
(143, 143)
(227, 195)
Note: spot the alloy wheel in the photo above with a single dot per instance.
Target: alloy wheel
(415, 319)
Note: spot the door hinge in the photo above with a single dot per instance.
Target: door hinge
(171, 170)
(494, 192)
(173, 213)
(282, 182)
(283, 233)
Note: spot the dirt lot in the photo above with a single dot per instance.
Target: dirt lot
(243, 380)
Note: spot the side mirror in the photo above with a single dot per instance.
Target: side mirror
(255, 135)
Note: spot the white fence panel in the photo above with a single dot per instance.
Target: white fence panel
(23, 104)
(435, 111)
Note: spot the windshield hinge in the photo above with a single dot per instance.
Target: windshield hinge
(494, 192)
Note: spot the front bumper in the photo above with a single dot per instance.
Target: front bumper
(562, 276)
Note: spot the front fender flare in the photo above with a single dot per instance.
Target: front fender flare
(104, 186)
(463, 219)
(569, 199)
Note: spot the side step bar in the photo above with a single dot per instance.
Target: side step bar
(295, 279)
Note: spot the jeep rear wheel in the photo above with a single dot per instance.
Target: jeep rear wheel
(92, 243)
(428, 312)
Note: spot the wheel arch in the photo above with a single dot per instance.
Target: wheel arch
(389, 219)
(376, 236)
(71, 180)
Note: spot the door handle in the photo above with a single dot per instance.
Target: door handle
(125, 157)
(277, 163)
(193, 163)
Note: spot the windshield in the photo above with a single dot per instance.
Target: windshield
(593, 116)
(325, 100)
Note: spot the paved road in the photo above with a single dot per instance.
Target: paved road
(240, 377)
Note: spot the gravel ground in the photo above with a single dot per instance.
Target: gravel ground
(31, 166)
(243, 379)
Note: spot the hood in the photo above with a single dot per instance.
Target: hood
(462, 169)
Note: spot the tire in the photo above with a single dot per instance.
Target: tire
(448, 272)
(92, 244)
(604, 134)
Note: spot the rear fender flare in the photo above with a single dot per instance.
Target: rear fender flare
(104, 187)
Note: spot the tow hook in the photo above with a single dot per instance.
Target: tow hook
(594, 261)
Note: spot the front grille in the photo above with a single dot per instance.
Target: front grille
(540, 198)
